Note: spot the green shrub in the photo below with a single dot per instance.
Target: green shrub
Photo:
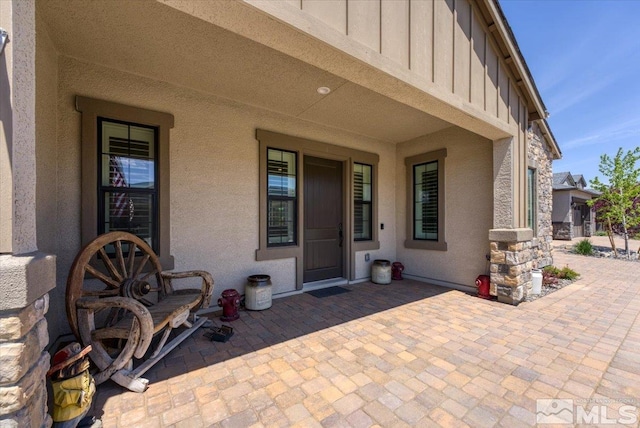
(551, 274)
(600, 233)
(568, 273)
(584, 247)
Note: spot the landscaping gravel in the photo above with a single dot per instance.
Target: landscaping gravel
(604, 252)
(548, 289)
(599, 252)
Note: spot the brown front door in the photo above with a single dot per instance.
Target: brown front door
(323, 219)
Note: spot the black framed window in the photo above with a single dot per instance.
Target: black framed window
(362, 202)
(128, 179)
(125, 164)
(282, 198)
(425, 201)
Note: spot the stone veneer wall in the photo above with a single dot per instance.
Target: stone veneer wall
(540, 157)
(562, 230)
(24, 364)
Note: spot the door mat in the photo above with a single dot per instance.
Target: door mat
(326, 292)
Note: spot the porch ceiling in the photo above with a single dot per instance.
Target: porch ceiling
(153, 40)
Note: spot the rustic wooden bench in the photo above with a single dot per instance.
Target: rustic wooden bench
(121, 302)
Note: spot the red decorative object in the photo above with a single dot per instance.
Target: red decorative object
(483, 282)
(229, 302)
(396, 271)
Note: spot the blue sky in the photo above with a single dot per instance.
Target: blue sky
(584, 56)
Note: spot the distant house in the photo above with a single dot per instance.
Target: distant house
(572, 217)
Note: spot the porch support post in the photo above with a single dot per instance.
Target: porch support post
(504, 170)
(511, 247)
(26, 275)
(511, 264)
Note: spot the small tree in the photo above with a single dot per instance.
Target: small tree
(603, 215)
(617, 201)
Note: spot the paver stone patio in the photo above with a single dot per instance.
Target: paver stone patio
(405, 354)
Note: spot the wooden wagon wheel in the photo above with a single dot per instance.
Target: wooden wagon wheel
(106, 316)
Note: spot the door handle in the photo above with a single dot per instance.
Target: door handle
(340, 235)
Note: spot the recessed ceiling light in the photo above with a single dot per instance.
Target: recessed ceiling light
(323, 90)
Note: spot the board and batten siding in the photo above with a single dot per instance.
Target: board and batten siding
(446, 42)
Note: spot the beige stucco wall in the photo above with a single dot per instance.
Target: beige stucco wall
(468, 204)
(214, 176)
(17, 129)
(6, 136)
(46, 165)
(46, 125)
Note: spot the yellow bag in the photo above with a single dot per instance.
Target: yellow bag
(72, 397)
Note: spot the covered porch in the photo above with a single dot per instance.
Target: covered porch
(406, 354)
(232, 97)
(221, 74)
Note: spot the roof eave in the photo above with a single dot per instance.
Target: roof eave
(520, 68)
(551, 139)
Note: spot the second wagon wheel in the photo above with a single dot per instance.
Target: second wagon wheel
(114, 265)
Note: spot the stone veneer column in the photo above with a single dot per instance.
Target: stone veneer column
(26, 275)
(23, 388)
(511, 264)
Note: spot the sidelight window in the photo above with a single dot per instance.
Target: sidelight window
(362, 202)
(282, 198)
